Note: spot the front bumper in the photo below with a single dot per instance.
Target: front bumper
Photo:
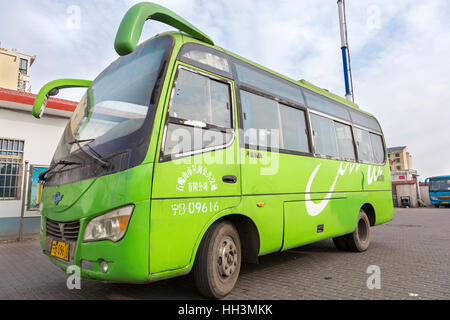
(128, 259)
(440, 202)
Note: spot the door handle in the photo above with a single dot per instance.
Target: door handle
(229, 179)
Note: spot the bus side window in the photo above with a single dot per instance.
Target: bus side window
(364, 120)
(261, 121)
(362, 138)
(199, 115)
(270, 124)
(345, 141)
(378, 149)
(326, 105)
(294, 130)
(324, 136)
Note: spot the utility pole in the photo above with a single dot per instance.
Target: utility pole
(345, 52)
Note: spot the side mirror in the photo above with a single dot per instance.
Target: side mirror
(133, 22)
(52, 89)
(427, 180)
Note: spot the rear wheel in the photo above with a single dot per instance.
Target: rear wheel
(218, 261)
(358, 240)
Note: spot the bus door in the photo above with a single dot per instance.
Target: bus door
(197, 175)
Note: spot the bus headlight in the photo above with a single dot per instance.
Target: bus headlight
(433, 198)
(109, 226)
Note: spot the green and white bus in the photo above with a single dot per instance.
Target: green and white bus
(183, 157)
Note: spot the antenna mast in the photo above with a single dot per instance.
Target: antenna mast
(345, 52)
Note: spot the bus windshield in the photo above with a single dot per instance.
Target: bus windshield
(112, 116)
(442, 184)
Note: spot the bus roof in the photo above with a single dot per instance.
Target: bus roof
(439, 177)
(185, 38)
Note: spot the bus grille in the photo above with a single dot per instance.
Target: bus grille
(444, 198)
(63, 230)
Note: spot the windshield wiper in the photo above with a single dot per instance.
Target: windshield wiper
(95, 155)
(43, 175)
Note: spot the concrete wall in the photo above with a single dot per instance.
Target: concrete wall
(41, 139)
(425, 195)
(405, 190)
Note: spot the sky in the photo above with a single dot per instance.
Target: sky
(400, 52)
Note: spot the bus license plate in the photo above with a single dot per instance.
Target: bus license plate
(60, 250)
(445, 202)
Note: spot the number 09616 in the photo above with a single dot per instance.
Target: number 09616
(180, 209)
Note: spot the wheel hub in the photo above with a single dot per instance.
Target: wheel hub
(227, 259)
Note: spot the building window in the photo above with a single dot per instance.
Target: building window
(11, 157)
(399, 168)
(397, 155)
(23, 67)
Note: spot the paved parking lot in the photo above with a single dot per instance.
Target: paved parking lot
(412, 252)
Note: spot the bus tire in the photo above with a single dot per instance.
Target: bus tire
(218, 261)
(436, 205)
(359, 240)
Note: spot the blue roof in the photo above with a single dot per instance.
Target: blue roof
(439, 177)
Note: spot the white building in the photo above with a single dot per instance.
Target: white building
(25, 138)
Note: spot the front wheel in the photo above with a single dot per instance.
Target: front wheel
(218, 261)
(358, 240)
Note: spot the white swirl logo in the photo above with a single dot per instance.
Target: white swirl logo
(315, 209)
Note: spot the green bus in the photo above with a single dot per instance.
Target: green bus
(182, 157)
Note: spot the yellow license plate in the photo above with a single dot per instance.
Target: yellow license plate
(60, 250)
(445, 202)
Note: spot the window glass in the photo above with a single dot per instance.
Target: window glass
(345, 141)
(440, 184)
(294, 130)
(362, 138)
(378, 149)
(364, 120)
(326, 105)
(200, 114)
(209, 59)
(198, 98)
(261, 120)
(23, 67)
(263, 80)
(117, 109)
(324, 136)
(11, 158)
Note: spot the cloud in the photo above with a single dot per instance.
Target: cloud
(399, 52)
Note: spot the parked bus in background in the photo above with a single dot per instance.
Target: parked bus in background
(183, 156)
(439, 190)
